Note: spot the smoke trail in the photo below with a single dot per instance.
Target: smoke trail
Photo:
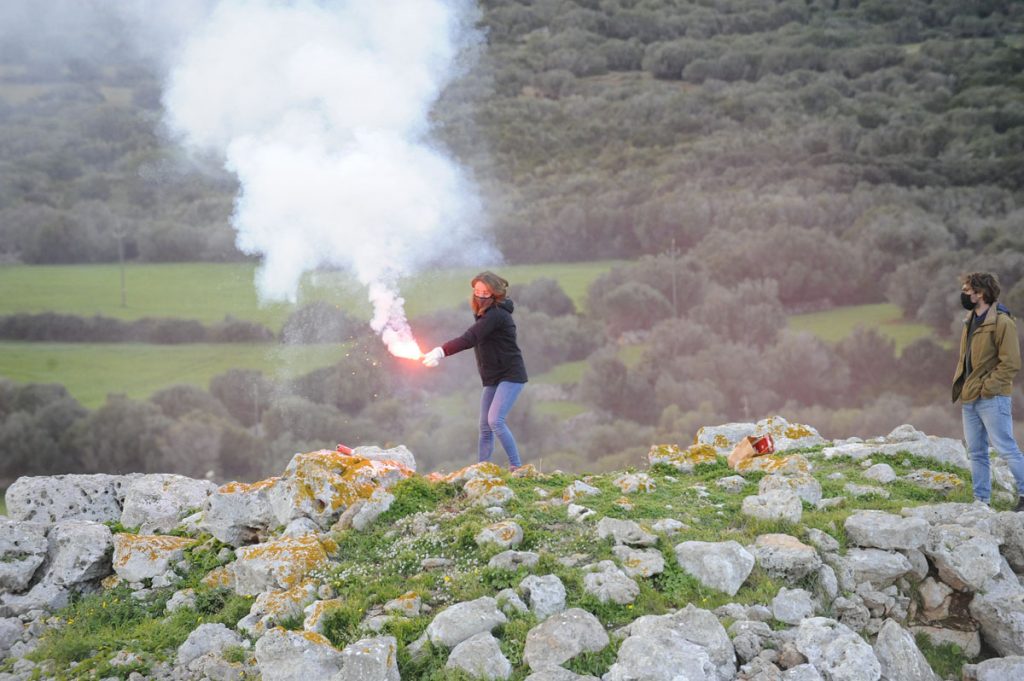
(321, 110)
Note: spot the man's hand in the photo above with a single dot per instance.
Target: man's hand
(433, 357)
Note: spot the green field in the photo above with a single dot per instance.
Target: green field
(91, 371)
(834, 325)
(208, 291)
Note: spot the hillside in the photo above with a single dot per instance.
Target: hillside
(843, 560)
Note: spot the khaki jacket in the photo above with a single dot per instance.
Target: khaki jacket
(995, 358)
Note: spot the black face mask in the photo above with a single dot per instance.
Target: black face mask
(483, 300)
(965, 300)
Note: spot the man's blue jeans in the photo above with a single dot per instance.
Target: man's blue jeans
(989, 420)
(495, 403)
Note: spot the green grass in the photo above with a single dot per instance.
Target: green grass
(209, 291)
(92, 370)
(834, 325)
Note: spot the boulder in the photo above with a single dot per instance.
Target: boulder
(877, 567)
(562, 637)
(47, 499)
(79, 552)
(881, 473)
(369, 659)
(966, 558)
(684, 460)
(877, 529)
(545, 595)
(400, 455)
(238, 513)
(905, 439)
(23, 548)
(631, 483)
(204, 639)
(156, 503)
(804, 485)
(140, 556)
(836, 651)
(785, 557)
(606, 582)
(273, 607)
(719, 565)
(999, 669)
(459, 622)
(512, 560)
(1000, 615)
(640, 562)
(780, 504)
(899, 656)
(488, 492)
(296, 656)
(625, 532)
(278, 564)
(505, 534)
(693, 625)
(480, 656)
(792, 606)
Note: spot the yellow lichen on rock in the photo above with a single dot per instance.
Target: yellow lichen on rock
(288, 559)
(682, 460)
(148, 546)
(219, 577)
(774, 464)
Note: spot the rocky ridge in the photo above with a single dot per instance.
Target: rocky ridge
(825, 560)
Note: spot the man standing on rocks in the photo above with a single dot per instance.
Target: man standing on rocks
(989, 359)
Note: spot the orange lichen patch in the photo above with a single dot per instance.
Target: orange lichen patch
(314, 637)
(290, 558)
(331, 481)
(526, 471)
(149, 546)
(774, 463)
(241, 487)
(219, 577)
(111, 582)
(477, 470)
(685, 460)
(289, 602)
(625, 503)
(478, 487)
(792, 431)
(935, 480)
(318, 610)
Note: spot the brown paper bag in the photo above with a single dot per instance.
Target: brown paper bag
(743, 450)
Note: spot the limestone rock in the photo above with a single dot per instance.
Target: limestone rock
(999, 669)
(23, 548)
(879, 568)
(577, 489)
(512, 560)
(562, 637)
(684, 460)
(278, 564)
(631, 483)
(480, 656)
(138, 557)
(296, 656)
(804, 485)
(156, 503)
(785, 557)
(625, 532)
(692, 625)
(606, 582)
(905, 439)
(1000, 614)
(237, 513)
(781, 504)
(79, 552)
(505, 533)
(719, 565)
(459, 622)
(206, 638)
(369, 659)
(545, 595)
(966, 558)
(836, 651)
(881, 473)
(640, 562)
(400, 455)
(489, 492)
(792, 606)
(899, 655)
(877, 529)
(47, 499)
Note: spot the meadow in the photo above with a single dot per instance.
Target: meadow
(210, 292)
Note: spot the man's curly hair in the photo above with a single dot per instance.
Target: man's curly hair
(985, 283)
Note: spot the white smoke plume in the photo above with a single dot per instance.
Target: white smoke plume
(321, 110)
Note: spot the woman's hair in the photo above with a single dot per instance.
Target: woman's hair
(497, 285)
(985, 283)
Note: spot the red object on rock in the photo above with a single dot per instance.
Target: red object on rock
(343, 449)
(764, 444)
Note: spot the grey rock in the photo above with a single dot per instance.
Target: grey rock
(827, 586)
(802, 672)
(504, 533)
(640, 562)
(11, 631)
(237, 514)
(558, 674)
(480, 656)
(804, 485)
(1000, 615)
(79, 551)
(42, 596)
(47, 499)
(458, 622)
(1008, 529)
(880, 472)
(824, 542)
(877, 529)
(545, 595)
(1000, 669)
(899, 655)
(399, 454)
(662, 655)
(878, 567)
(785, 557)
(792, 606)
(836, 651)
(780, 504)
(511, 560)
(579, 513)
(157, 502)
(733, 483)
(562, 637)
(606, 582)
(296, 656)
(370, 659)
(186, 598)
(968, 641)
(23, 548)
(510, 603)
(693, 625)
(858, 491)
(966, 558)
(719, 565)
(300, 527)
(206, 638)
(625, 532)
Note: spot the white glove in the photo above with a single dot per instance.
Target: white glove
(433, 357)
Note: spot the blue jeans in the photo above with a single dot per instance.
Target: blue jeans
(495, 403)
(988, 419)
